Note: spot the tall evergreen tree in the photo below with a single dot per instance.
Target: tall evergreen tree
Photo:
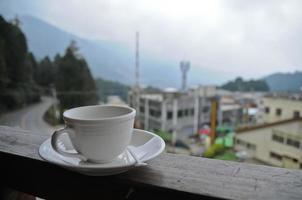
(16, 71)
(46, 72)
(74, 82)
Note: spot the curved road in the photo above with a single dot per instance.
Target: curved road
(30, 118)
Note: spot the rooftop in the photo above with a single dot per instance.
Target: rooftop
(286, 96)
(294, 129)
(154, 97)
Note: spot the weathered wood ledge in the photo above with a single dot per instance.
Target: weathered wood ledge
(168, 176)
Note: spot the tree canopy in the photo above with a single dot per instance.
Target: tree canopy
(250, 85)
(22, 78)
(74, 82)
(17, 85)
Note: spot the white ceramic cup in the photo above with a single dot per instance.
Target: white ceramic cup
(98, 133)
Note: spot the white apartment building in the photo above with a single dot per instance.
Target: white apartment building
(277, 108)
(278, 144)
(172, 110)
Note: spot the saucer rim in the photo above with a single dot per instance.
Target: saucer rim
(66, 164)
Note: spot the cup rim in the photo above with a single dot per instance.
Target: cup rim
(129, 115)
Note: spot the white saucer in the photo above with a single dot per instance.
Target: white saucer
(146, 146)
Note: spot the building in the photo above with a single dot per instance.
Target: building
(174, 111)
(166, 111)
(278, 143)
(230, 111)
(277, 108)
(252, 104)
(184, 112)
(205, 95)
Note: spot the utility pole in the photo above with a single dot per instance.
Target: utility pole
(136, 87)
(137, 61)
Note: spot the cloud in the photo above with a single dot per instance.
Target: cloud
(248, 38)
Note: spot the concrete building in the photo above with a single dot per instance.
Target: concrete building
(278, 144)
(184, 112)
(166, 111)
(252, 104)
(278, 108)
(230, 112)
(171, 110)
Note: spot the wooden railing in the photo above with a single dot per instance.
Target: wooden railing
(169, 176)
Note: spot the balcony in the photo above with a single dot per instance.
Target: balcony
(169, 176)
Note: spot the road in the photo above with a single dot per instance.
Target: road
(30, 118)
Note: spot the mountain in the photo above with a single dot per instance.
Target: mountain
(285, 82)
(110, 60)
(105, 59)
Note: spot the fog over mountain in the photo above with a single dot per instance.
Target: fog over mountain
(116, 62)
(111, 60)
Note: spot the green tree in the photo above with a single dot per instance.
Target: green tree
(17, 86)
(241, 85)
(3, 68)
(74, 83)
(45, 72)
(34, 65)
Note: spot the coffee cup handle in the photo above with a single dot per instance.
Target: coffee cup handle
(55, 138)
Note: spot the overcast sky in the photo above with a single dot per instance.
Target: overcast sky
(247, 38)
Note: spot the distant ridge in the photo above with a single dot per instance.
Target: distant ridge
(285, 82)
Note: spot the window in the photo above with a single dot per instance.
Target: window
(251, 146)
(155, 104)
(186, 112)
(294, 160)
(266, 110)
(152, 112)
(278, 112)
(277, 138)
(205, 109)
(292, 142)
(169, 115)
(275, 156)
(142, 109)
(155, 113)
(296, 114)
(179, 113)
(240, 142)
